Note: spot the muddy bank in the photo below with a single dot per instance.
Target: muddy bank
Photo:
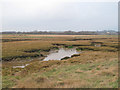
(29, 56)
(57, 44)
(22, 57)
(11, 40)
(65, 58)
(65, 45)
(91, 44)
(95, 44)
(38, 50)
(86, 49)
(95, 49)
(78, 39)
(88, 39)
(74, 55)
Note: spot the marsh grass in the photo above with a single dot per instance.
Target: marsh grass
(95, 67)
(75, 75)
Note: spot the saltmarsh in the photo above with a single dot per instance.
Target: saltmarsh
(16, 49)
(95, 67)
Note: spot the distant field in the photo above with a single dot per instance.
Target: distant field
(31, 35)
(96, 67)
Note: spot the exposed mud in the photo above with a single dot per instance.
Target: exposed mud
(65, 45)
(22, 57)
(11, 40)
(65, 58)
(88, 39)
(38, 50)
(78, 39)
(75, 55)
(59, 44)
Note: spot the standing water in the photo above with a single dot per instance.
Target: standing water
(61, 53)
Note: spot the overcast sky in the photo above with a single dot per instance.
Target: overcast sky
(51, 15)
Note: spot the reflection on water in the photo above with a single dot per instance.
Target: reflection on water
(20, 66)
(61, 53)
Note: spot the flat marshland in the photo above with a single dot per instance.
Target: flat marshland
(95, 67)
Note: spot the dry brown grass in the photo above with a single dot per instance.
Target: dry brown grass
(73, 74)
(92, 69)
(17, 48)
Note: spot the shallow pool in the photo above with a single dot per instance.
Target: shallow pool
(61, 53)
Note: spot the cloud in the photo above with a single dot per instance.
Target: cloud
(59, 15)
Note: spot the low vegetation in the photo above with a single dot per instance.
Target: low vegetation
(95, 67)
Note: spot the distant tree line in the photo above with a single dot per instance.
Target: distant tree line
(66, 33)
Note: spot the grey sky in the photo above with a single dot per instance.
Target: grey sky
(51, 15)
